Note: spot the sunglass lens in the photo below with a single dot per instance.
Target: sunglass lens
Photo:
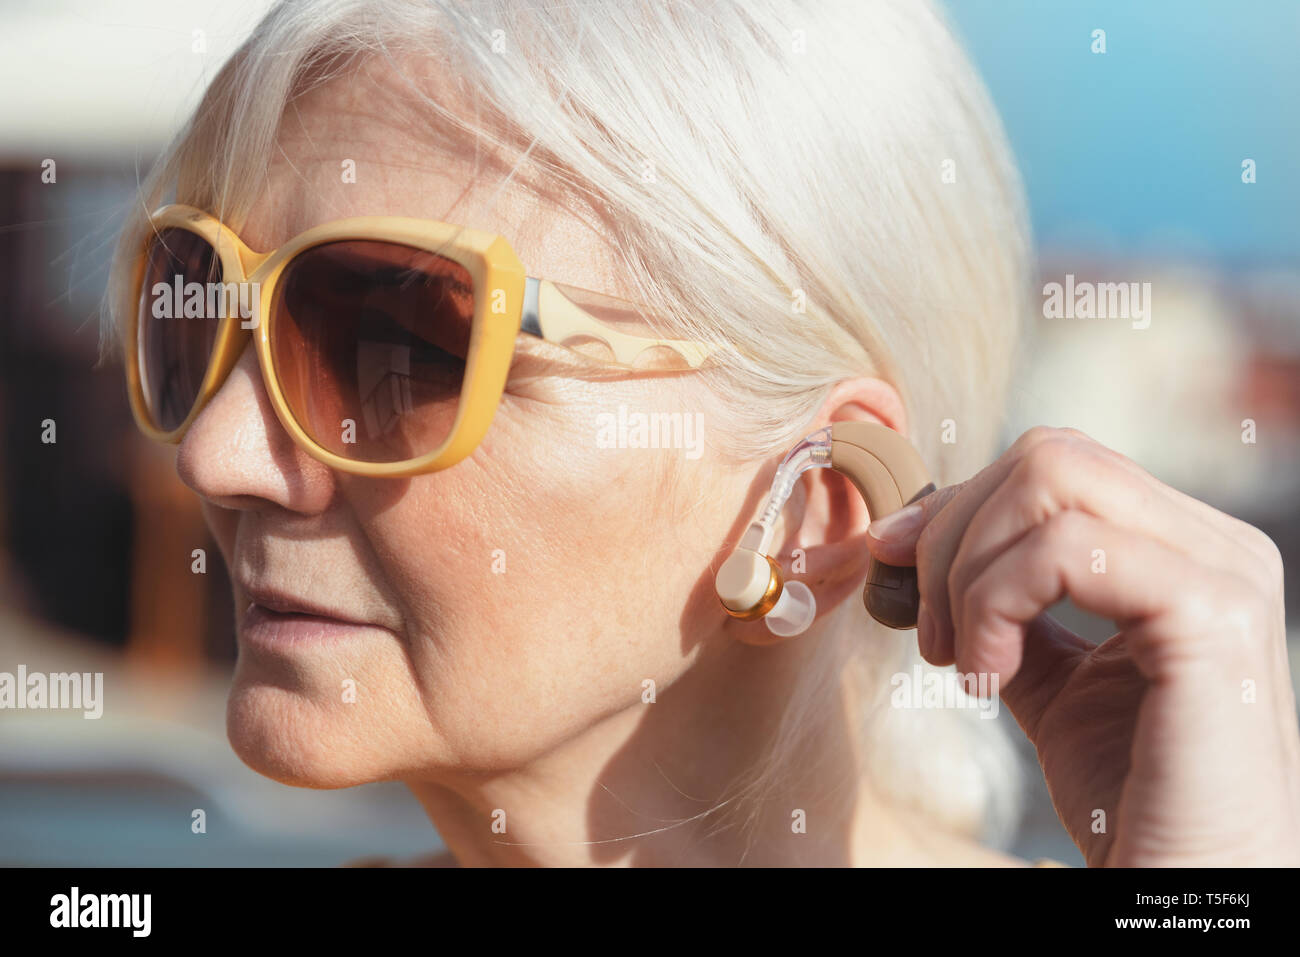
(369, 341)
(176, 321)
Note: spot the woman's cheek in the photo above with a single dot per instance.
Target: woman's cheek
(524, 589)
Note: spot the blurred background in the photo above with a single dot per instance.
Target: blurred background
(1133, 160)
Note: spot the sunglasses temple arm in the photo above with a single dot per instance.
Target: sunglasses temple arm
(550, 315)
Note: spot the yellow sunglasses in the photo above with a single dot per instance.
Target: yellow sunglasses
(384, 342)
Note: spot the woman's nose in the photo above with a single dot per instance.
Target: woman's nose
(237, 455)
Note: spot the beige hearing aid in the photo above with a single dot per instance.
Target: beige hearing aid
(887, 471)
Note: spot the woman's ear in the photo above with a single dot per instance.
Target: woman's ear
(822, 538)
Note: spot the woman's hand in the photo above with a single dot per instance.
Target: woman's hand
(1175, 741)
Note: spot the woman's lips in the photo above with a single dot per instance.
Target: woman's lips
(273, 620)
(262, 626)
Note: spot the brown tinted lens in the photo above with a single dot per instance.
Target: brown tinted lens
(176, 323)
(369, 341)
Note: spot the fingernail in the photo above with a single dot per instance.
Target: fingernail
(896, 526)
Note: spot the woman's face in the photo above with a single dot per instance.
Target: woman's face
(498, 607)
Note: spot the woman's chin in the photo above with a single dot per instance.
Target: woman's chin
(291, 739)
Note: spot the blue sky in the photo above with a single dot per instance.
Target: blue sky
(1138, 151)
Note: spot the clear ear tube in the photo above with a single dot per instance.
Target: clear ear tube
(813, 452)
(747, 579)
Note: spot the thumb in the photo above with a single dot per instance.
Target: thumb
(892, 538)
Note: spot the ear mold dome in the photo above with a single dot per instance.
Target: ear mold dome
(888, 473)
(793, 612)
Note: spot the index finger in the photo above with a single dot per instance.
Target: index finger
(944, 516)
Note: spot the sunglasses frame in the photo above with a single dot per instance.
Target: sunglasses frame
(524, 304)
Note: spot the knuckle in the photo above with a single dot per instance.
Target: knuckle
(1046, 464)
(1035, 436)
(1058, 473)
(1270, 557)
(1267, 571)
(1078, 435)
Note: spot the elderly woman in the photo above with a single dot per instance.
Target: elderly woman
(483, 246)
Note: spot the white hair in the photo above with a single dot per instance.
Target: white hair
(830, 181)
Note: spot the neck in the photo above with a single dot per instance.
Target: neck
(661, 784)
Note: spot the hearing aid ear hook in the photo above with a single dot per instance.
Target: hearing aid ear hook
(888, 473)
